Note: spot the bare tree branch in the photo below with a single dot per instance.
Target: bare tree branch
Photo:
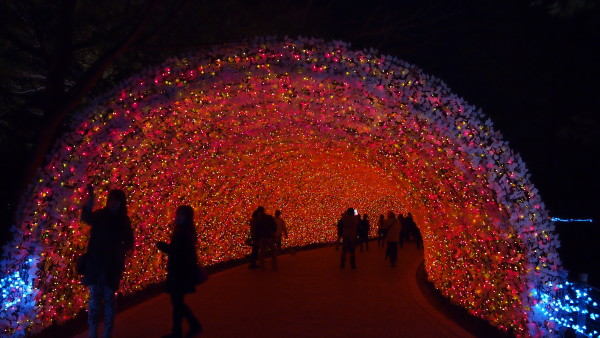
(57, 115)
(61, 52)
(17, 42)
(95, 71)
(127, 15)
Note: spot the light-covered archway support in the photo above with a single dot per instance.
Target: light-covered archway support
(308, 126)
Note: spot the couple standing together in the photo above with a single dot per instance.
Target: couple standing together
(111, 240)
(266, 234)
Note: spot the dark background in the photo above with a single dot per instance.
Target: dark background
(531, 66)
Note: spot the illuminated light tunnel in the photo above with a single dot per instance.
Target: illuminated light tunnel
(308, 126)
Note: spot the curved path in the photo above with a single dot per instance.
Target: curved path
(309, 296)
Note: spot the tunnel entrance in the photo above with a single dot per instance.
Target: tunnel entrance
(307, 126)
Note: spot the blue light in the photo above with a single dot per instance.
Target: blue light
(566, 308)
(14, 289)
(558, 219)
(17, 297)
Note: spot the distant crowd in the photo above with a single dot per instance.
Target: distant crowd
(266, 233)
(354, 231)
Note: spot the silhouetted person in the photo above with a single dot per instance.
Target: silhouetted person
(111, 238)
(405, 231)
(381, 231)
(363, 232)
(410, 227)
(265, 232)
(416, 233)
(281, 229)
(253, 241)
(182, 267)
(392, 237)
(339, 231)
(349, 230)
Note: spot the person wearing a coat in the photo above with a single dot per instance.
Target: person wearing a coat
(349, 234)
(364, 228)
(392, 237)
(253, 241)
(381, 231)
(416, 233)
(281, 229)
(182, 270)
(111, 238)
(265, 233)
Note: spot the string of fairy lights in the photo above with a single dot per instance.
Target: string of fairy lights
(307, 126)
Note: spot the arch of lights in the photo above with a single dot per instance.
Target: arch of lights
(307, 126)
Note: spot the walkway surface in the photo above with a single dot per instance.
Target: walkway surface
(309, 296)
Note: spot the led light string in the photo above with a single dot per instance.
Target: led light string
(308, 126)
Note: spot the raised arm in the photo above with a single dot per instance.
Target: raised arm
(88, 206)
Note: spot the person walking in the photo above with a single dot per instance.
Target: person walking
(349, 234)
(253, 241)
(182, 270)
(339, 226)
(363, 232)
(381, 231)
(110, 241)
(265, 232)
(416, 233)
(404, 230)
(392, 237)
(281, 230)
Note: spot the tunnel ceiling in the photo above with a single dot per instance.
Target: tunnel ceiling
(307, 126)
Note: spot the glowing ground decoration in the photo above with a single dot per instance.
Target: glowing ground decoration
(307, 126)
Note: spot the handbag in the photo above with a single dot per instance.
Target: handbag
(201, 275)
(81, 264)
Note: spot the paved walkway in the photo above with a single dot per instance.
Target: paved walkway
(310, 296)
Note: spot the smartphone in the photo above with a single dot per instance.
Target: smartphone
(355, 212)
